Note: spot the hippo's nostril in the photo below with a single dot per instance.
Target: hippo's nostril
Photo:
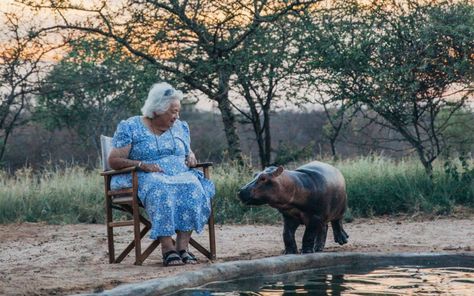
(241, 194)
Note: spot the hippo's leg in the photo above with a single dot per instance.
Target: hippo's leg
(314, 230)
(321, 239)
(340, 235)
(289, 229)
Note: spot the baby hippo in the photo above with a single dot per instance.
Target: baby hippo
(313, 194)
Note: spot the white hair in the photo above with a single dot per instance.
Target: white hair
(159, 99)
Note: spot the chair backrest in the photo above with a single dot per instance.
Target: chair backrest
(105, 147)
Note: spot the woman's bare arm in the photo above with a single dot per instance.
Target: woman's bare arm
(118, 158)
(191, 159)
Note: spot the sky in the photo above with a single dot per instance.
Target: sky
(44, 18)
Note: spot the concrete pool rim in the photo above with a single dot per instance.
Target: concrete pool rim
(233, 270)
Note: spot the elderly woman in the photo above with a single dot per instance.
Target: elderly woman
(176, 197)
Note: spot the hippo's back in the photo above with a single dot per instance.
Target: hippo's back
(321, 168)
(323, 173)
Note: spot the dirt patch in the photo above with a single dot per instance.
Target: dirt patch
(40, 259)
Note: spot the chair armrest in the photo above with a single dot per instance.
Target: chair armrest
(203, 164)
(134, 168)
(121, 171)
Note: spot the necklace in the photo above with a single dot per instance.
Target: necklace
(155, 136)
(153, 129)
(162, 132)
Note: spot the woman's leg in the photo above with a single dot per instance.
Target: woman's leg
(170, 256)
(182, 242)
(166, 244)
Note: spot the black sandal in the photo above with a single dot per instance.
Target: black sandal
(172, 258)
(188, 257)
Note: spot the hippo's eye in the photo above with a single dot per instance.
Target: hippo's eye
(262, 179)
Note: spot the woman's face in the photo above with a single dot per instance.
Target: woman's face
(169, 117)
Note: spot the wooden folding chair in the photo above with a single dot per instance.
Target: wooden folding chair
(127, 200)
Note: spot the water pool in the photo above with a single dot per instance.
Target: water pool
(390, 280)
(325, 273)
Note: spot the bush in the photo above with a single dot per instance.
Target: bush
(69, 195)
(375, 186)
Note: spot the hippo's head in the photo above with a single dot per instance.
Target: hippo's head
(262, 188)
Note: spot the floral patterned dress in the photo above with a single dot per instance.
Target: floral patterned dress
(179, 198)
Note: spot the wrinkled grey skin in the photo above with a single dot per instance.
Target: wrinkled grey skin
(313, 194)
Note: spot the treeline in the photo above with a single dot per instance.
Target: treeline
(297, 136)
(394, 75)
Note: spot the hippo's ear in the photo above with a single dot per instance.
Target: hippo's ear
(278, 171)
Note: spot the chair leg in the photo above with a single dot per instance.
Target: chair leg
(212, 236)
(108, 220)
(110, 241)
(131, 245)
(134, 210)
(136, 221)
(212, 233)
(150, 249)
(137, 235)
(200, 248)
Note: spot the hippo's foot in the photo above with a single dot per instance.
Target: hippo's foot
(319, 247)
(307, 250)
(341, 237)
(289, 251)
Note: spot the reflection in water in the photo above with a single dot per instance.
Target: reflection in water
(382, 281)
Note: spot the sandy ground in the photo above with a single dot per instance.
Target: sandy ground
(40, 259)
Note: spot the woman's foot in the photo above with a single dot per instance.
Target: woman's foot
(188, 257)
(172, 258)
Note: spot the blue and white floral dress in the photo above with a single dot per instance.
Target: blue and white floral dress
(179, 198)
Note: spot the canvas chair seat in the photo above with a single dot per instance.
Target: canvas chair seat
(124, 200)
(127, 200)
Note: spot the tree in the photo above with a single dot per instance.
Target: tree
(333, 61)
(21, 65)
(457, 136)
(265, 72)
(416, 64)
(89, 91)
(425, 57)
(193, 41)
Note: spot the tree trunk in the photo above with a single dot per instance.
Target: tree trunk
(332, 141)
(233, 141)
(228, 119)
(259, 131)
(268, 138)
(428, 165)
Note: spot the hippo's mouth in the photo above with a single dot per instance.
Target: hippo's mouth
(248, 198)
(251, 201)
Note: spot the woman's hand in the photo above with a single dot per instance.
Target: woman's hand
(191, 160)
(149, 167)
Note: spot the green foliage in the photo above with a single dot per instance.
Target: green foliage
(399, 61)
(91, 88)
(288, 152)
(460, 173)
(381, 186)
(375, 186)
(70, 195)
(264, 68)
(378, 186)
(457, 133)
(227, 207)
